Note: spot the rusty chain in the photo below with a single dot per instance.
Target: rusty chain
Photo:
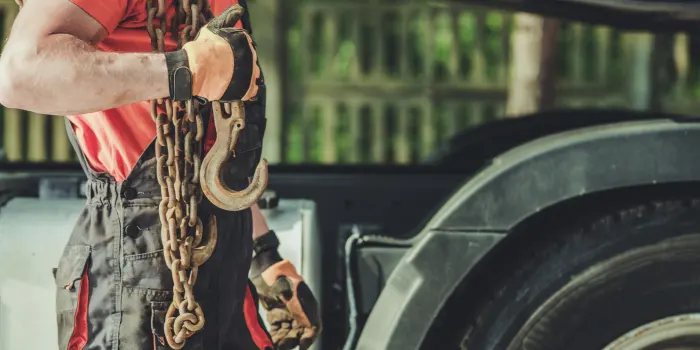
(184, 177)
(180, 131)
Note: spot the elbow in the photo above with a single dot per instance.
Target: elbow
(8, 91)
(6, 82)
(11, 87)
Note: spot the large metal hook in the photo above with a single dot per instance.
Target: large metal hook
(211, 174)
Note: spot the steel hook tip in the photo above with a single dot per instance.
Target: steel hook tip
(202, 253)
(211, 174)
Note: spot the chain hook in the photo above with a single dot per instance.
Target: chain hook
(213, 185)
(202, 253)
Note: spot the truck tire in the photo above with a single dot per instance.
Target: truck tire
(630, 273)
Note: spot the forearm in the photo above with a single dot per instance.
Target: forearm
(63, 75)
(259, 222)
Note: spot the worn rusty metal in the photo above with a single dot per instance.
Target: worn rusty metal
(229, 123)
(179, 132)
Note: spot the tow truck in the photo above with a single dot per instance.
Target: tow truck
(561, 230)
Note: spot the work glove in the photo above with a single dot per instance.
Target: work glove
(221, 64)
(293, 312)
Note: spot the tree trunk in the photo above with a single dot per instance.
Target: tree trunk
(533, 65)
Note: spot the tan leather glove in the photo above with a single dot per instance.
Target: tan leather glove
(293, 312)
(221, 64)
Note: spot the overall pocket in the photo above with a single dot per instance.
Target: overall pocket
(72, 295)
(158, 311)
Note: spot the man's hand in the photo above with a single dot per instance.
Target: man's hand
(222, 61)
(293, 312)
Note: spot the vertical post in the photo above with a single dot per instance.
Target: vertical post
(379, 134)
(329, 118)
(427, 128)
(533, 73)
(455, 52)
(402, 147)
(426, 123)
(640, 46)
(306, 14)
(506, 29)
(355, 130)
(478, 67)
(269, 22)
(61, 150)
(576, 55)
(662, 53)
(36, 148)
(681, 58)
(377, 70)
(602, 35)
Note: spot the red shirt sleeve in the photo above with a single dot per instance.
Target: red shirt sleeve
(108, 12)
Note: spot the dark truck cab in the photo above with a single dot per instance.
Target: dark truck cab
(566, 229)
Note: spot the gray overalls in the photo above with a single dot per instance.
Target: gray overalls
(113, 285)
(114, 262)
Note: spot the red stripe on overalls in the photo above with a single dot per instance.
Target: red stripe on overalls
(80, 327)
(250, 312)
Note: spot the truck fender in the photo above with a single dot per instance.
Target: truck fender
(515, 186)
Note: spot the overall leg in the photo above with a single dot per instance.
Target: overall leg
(86, 280)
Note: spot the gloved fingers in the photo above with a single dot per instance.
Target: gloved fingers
(280, 333)
(277, 316)
(227, 19)
(284, 337)
(291, 335)
(286, 344)
(292, 339)
(307, 338)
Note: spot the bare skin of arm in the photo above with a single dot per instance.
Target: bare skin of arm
(259, 223)
(50, 65)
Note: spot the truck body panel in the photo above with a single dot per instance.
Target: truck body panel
(518, 185)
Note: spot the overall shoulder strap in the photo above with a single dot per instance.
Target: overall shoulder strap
(74, 142)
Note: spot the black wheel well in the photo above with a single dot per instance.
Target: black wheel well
(477, 288)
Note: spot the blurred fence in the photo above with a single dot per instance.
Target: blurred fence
(386, 85)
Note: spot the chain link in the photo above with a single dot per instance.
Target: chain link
(179, 134)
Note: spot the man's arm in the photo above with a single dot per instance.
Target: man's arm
(259, 222)
(50, 66)
(293, 312)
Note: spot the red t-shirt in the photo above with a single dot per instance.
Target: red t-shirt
(114, 139)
